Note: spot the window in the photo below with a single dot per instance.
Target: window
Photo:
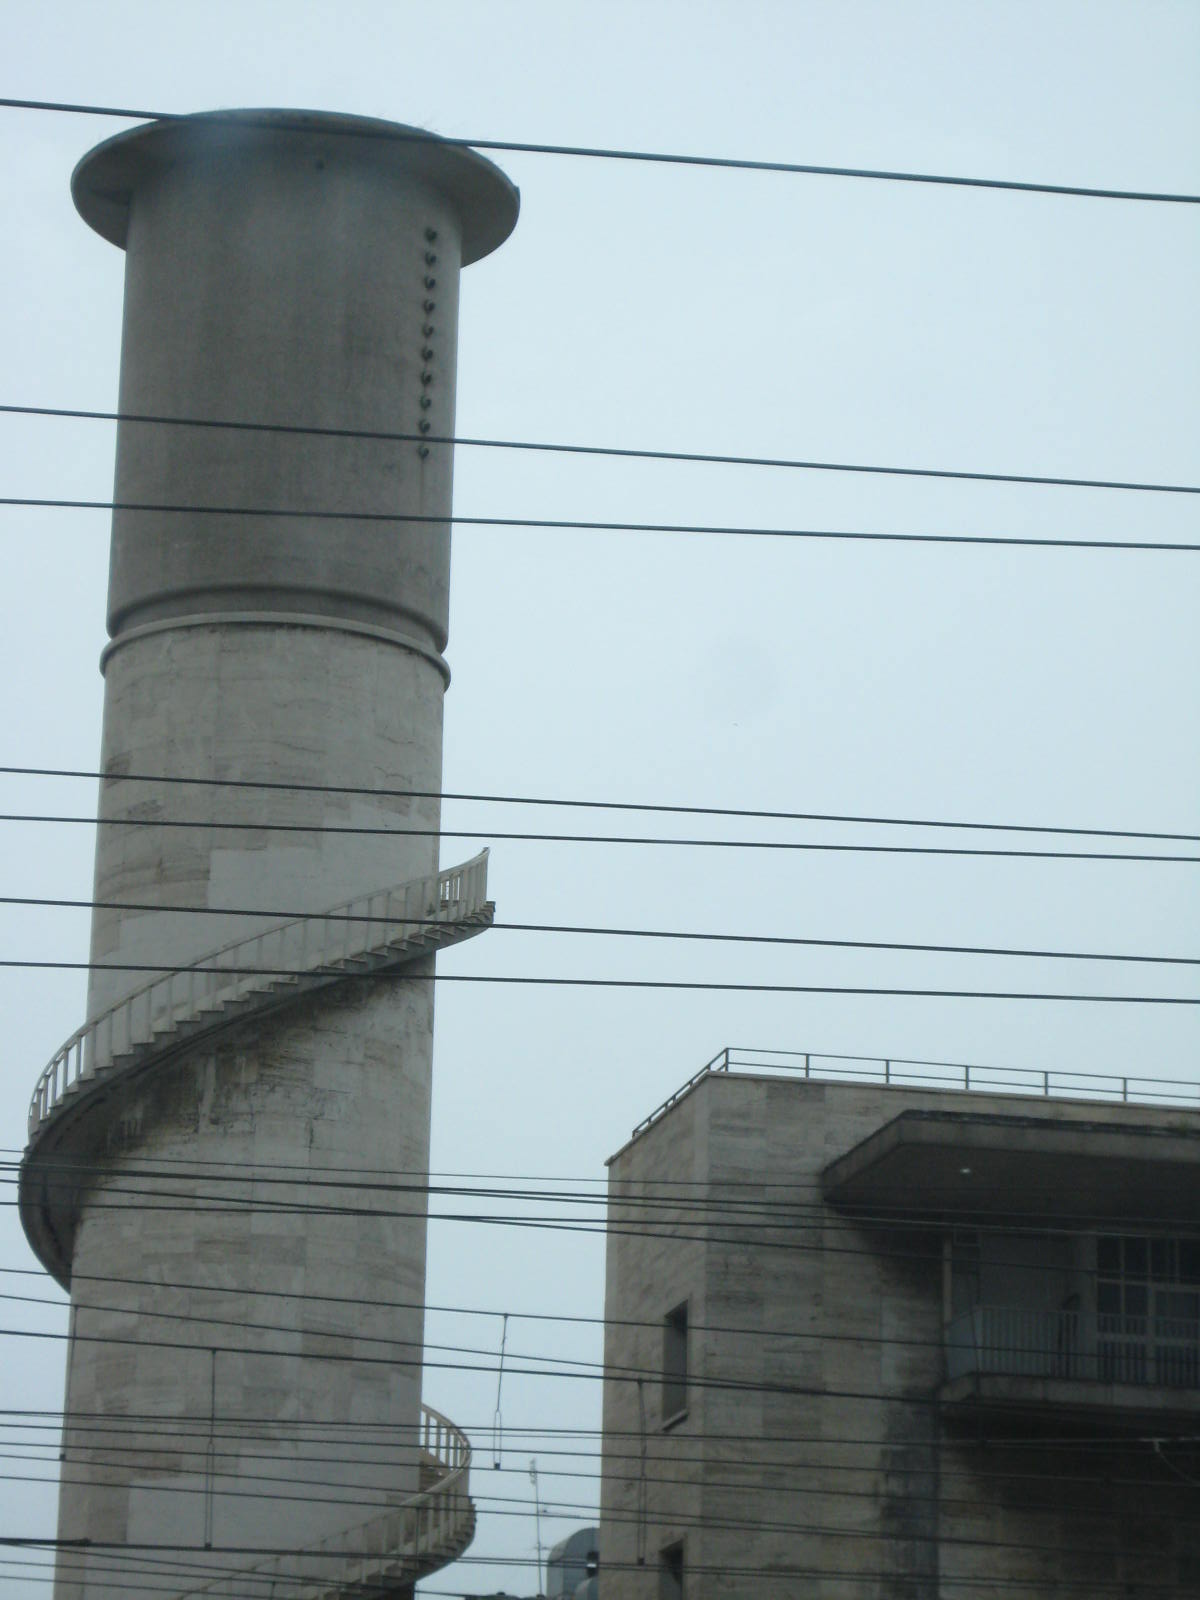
(675, 1363)
(1148, 1310)
(670, 1572)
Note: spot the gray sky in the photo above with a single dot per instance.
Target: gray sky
(696, 310)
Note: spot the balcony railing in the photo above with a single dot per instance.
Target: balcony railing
(1020, 1342)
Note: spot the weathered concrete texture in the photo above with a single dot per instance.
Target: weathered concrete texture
(296, 705)
(266, 1349)
(284, 271)
(815, 1459)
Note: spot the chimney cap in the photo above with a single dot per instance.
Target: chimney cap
(486, 200)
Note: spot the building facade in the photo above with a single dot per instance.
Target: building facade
(869, 1340)
(244, 1368)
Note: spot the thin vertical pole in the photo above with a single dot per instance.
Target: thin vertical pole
(62, 1449)
(210, 1463)
(537, 1513)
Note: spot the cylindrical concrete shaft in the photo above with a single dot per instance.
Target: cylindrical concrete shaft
(285, 272)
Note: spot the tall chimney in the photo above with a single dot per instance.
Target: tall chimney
(227, 1163)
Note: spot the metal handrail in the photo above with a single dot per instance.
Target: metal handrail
(1072, 1342)
(410, 1531)
(298, 947)
(960, 1076)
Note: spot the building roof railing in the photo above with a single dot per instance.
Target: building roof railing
(953, 1076)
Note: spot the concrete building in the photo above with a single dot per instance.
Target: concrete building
(882, 1331)
(572, 1571)
(244, 1370)
(572, 1567)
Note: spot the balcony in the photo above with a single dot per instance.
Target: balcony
(1128, 1370)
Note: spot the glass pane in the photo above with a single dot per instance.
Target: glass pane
(1135, 1258)
(1108, 1298)
(1189, 1260)
(1108, 1254)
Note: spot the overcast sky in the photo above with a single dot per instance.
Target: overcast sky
(689, 309)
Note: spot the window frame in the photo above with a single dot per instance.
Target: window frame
(676, 1351)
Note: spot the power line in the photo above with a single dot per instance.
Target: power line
(612, 452)
(694, 985)
(697, 1568)
(109, 1453)
(518, 1508)
(793, 1217)
(581, 1365)
(784, 1232)
(659, 1191)
(667, 1203)
(643, 157)
(1036, 1441)
(799, 1215)
(577, 525)
(538, 837)
(922, 1402)
(294, 915)
(381, 792)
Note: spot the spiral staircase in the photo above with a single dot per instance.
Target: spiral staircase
(378, 933)
(382, 1558)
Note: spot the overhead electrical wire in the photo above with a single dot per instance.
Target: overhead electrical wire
(584, 1365)
(797, 1218)
(576, 525)
(232, 1445)
(673, 1192)
(518, 1508)
(231, 1439)
(790, 1212)
(611, 452)
(549, 1441)
(989, 1584)
(641, 157)
(800, 1215)
(674, 809)
(697, 1382)
(662, 934)
(114, 1455)
(688, 985)
(1007, 853)
(784, 1234)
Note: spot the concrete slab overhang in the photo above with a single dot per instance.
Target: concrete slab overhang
(1027, 1401)
(926, 1164)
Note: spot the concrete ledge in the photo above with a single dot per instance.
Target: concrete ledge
(485, 200)
(276, 619)
(1109, 1405)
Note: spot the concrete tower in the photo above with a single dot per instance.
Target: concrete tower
(225, 1164)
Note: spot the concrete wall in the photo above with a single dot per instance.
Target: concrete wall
(207, 1189)
(813, 1460)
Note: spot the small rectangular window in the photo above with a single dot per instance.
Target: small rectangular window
(675, 1362)
(670, 1573)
